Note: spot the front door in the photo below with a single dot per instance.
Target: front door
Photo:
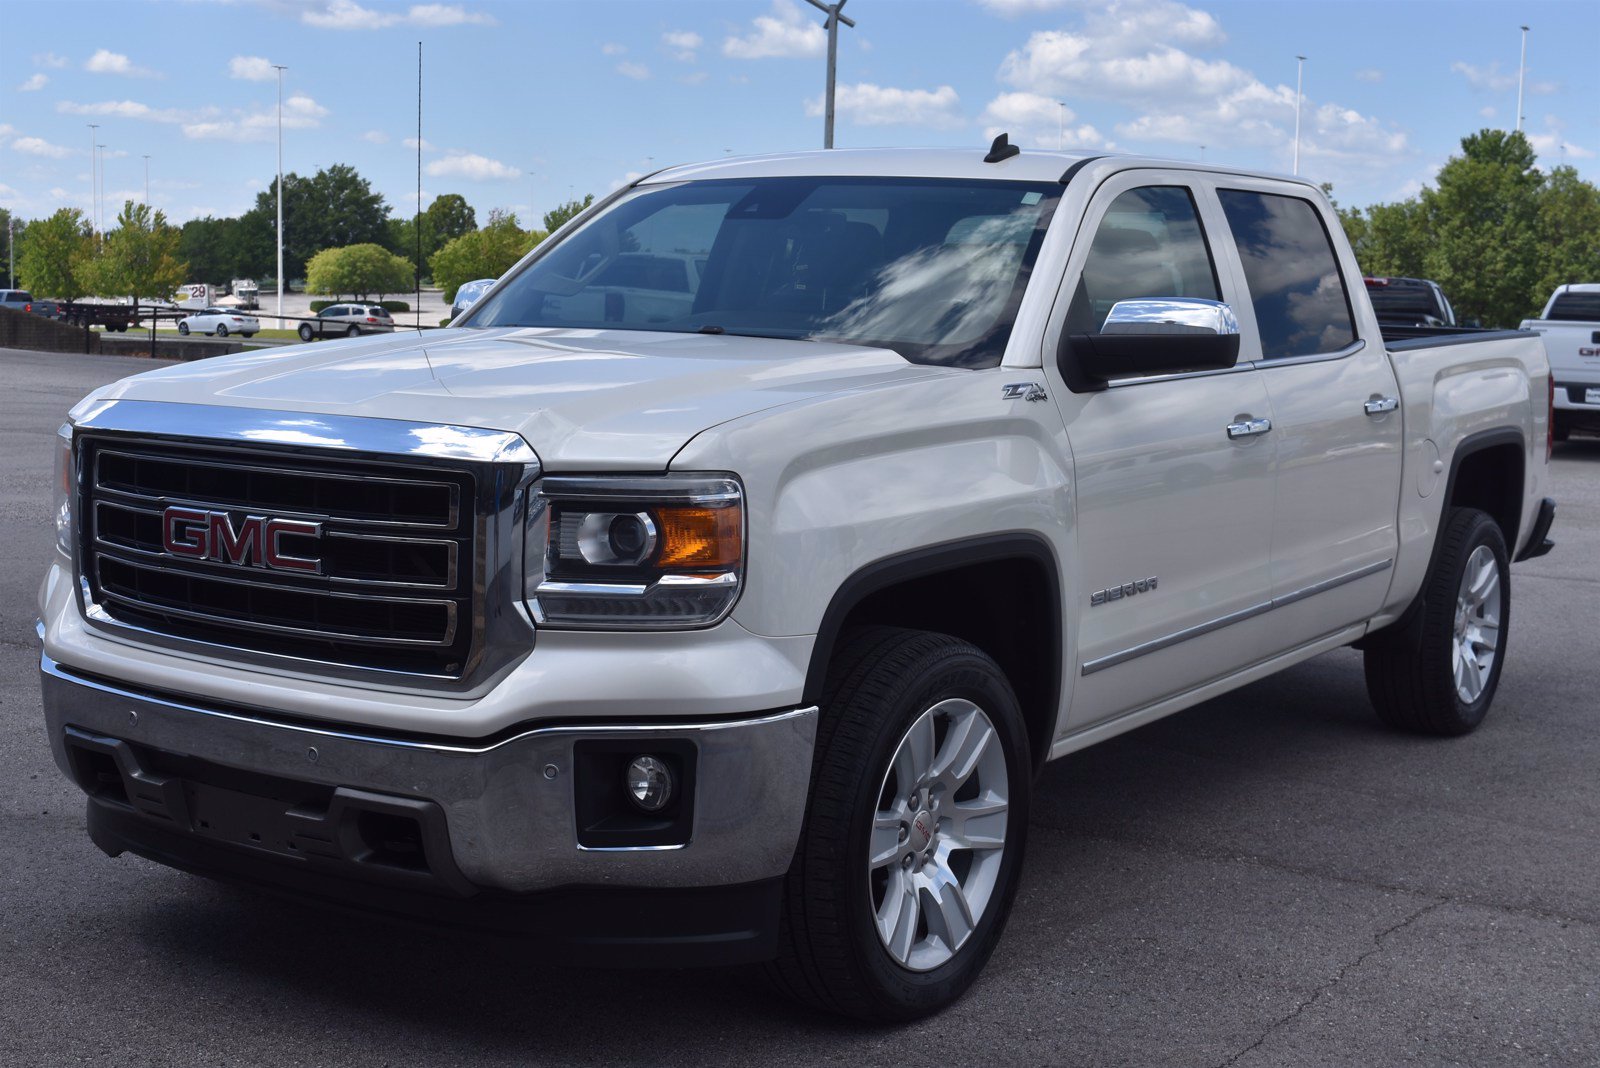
(1173, 513)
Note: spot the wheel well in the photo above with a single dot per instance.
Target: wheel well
(1009, 607)
(1490, 479)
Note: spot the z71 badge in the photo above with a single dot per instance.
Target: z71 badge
(1117, 593)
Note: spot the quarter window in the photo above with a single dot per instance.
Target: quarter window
(1300, 301)
(1149, 244)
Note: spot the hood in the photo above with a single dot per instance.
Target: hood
(584, 399)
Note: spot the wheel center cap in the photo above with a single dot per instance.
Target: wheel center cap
(922, 828)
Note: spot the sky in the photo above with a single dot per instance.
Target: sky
(528, 104)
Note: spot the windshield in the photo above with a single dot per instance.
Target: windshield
(931, 268)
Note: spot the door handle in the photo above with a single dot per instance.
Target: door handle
(1379, 405)
(1248, 427)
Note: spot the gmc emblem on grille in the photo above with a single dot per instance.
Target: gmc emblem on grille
(255, 542)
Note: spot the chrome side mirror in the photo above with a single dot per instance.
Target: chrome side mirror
(1161, 336)
(1171, 315)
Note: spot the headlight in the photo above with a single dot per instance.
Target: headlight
(63, 482)
(634, 553)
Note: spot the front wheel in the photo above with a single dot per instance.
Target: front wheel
(183, 328)
(914, 831)
(1444, 681)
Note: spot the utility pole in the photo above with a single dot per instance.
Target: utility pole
(11, 249)
(834, 18)
(280, 69)
(100, 195)
(94, 175)
(147, 179)
(1061, 125)
(1299, 84)
(1522, 71)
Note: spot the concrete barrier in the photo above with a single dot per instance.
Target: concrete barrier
(25, 330)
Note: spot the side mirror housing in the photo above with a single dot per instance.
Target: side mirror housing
(1170, 335)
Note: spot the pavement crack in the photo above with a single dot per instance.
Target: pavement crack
(1377, 944)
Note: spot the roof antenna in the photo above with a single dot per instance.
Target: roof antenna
(1002, 149)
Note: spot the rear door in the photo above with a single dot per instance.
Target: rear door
(1173, 515)
(1335, 410)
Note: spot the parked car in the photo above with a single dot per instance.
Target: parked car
(1409, 302)
(468, 295)
(1570, 323)
(16, 299)
(221, 322)
(744, 635)
(348, 320)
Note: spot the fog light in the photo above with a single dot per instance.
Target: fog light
(649, 782)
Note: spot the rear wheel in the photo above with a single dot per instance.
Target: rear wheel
(914, 831)
(222, 331)
(1444, 681)
(352, 331)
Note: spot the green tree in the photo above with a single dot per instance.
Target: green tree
(360, 270)
(214, 249)
(1481, 224)
(485, 253)
(447, 218)
(563, 212)
(334, 208)
(55, 257)
(1569, 232)
(140, 257)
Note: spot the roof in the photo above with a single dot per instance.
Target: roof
(1027, 166)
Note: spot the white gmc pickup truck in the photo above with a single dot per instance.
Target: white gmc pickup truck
(713, 590)
(1570, 326)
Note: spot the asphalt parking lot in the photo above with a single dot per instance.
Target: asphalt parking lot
(1271, 878)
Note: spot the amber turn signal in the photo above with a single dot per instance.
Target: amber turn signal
(701, 537)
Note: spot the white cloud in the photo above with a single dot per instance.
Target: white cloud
(376, 137)
(132, 109)
(105, 61)
(786, 33)
(300, 112)
(1038, 122)
(251, 69)
(6, 129)
(683, 44)
(1136, 54)
(349, 15)
(1369, 74)
(51, 60)
(411, 143)
(1488, 112)
(470, 166)
(876, 105)
(34, 84)
(694, 77)
(36, 146)
(612, 48)
(1489, 78)
(637, 71)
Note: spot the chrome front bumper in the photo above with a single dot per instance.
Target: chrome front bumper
(507, 805)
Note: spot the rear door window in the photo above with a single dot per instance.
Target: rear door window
(1301, 305)
(1568, 307)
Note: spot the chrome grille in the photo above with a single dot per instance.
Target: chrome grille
(394, 546)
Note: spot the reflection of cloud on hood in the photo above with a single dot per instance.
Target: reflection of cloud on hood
(948, 295)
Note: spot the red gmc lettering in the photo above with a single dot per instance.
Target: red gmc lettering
(235, 547)
(277, 558)
(257, 541)
(185, 532)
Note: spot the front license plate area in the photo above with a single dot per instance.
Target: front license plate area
(1591, 396)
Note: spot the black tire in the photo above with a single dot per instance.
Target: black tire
(183, 328)
(305, 332)
(1412, 680)
(352, 331)
(247, 335)
(830, 954)
(222, 331)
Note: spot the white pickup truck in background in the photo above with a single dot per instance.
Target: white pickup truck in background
(1570, 325)
(732, 622)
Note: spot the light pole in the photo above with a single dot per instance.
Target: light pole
(834, 18)
(147, 180)
(1299, 84)
(94, 175)
(1061, 125)
(280, 70)
(100, 195)
(1522, 71)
